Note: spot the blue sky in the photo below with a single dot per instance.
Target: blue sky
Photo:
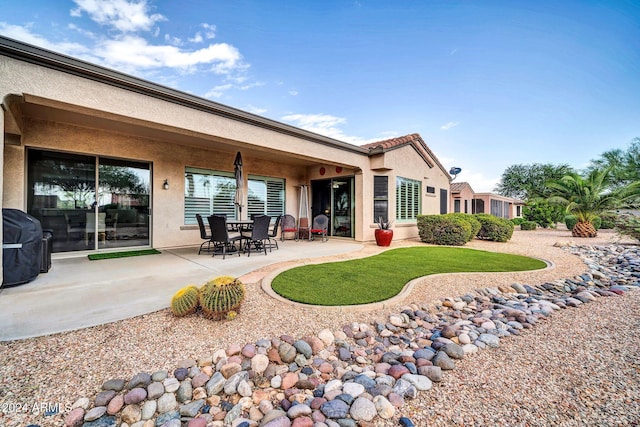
(487, 84)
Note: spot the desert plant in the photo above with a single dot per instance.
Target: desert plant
(444, 230)
(494, 228)
(570, 221)
(185, 301)
(608, 220)
(587, 197)
(528, 225)
(628, 225)
(219, 297)
(597, 222)
(382, 224)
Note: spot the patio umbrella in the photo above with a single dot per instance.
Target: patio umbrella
(237, 200)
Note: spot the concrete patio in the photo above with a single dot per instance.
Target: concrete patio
(78, 293)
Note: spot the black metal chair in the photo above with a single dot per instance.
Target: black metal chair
(220, 236)
(319, 226)
(274, 232)
(288, 225)
(203, 235)
(259, 237)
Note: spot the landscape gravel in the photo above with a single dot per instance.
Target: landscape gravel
(581, 366)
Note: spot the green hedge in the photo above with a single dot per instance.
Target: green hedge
(528, 225)
(517, 221)
(494, 228)
(475, 224)
(444, 229)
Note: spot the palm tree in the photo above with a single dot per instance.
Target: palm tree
(587, 197)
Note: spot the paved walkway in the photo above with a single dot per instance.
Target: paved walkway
(77, 293)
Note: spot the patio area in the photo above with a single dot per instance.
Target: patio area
(78, 293)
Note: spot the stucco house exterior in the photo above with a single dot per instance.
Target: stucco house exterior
(107, 160)
(465, 200)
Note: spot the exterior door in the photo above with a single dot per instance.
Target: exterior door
(335, 198)
(89, 203)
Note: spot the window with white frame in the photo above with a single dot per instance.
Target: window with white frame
(208, 192)
(265, 196)
(407, 199)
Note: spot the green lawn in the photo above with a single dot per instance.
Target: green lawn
(383, 276)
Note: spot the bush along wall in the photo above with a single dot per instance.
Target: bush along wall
(528, 225)
(494, 228)
(444, 230)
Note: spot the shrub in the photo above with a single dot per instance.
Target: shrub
(597, 222)
(494, 228)
(444, 229)
(608, 221)
(185, 301)
(473, 222)
(628, 225)
(220, 297)
(543, 214)
(517, 221)
(570, 221)
(528, 225)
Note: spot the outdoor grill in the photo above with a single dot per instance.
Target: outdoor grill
(23, 248)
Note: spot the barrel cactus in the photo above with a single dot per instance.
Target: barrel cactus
(221, 296)
(185, 301)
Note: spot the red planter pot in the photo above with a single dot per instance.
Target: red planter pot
(383, 237)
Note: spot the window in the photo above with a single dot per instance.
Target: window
(381, 197)
(466, 206)
(265, 196)
(496, 208)
(208, 192)
(456, 205)
(431, 190)
(407, 199)
(444, 201)
(518, 211)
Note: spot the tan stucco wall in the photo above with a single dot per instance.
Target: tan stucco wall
(168, 162)
(404, 162)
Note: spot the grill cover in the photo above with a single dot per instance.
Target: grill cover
(21, 247)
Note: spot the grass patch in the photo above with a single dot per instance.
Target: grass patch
(123, 254)
(382, 276)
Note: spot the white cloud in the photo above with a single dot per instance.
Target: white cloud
(197, 38)
(255, 110)
(478, 181)
(293, 92)
(449, 125)
(135, 52)
(324, 124)
(23, 33)
(209, 33)
(122, 15)
(176, 41)
(218, 91)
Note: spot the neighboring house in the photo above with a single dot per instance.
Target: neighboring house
(465, 200)
(107, 160)
(461, 197)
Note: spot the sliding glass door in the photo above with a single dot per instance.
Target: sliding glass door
(88, 202)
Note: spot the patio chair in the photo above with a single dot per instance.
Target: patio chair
(319, 226)
(274, 232)
(220, 236)
(203, 235)
(259, 237)
(288, 225)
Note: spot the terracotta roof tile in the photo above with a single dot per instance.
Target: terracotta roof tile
(416, 141)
